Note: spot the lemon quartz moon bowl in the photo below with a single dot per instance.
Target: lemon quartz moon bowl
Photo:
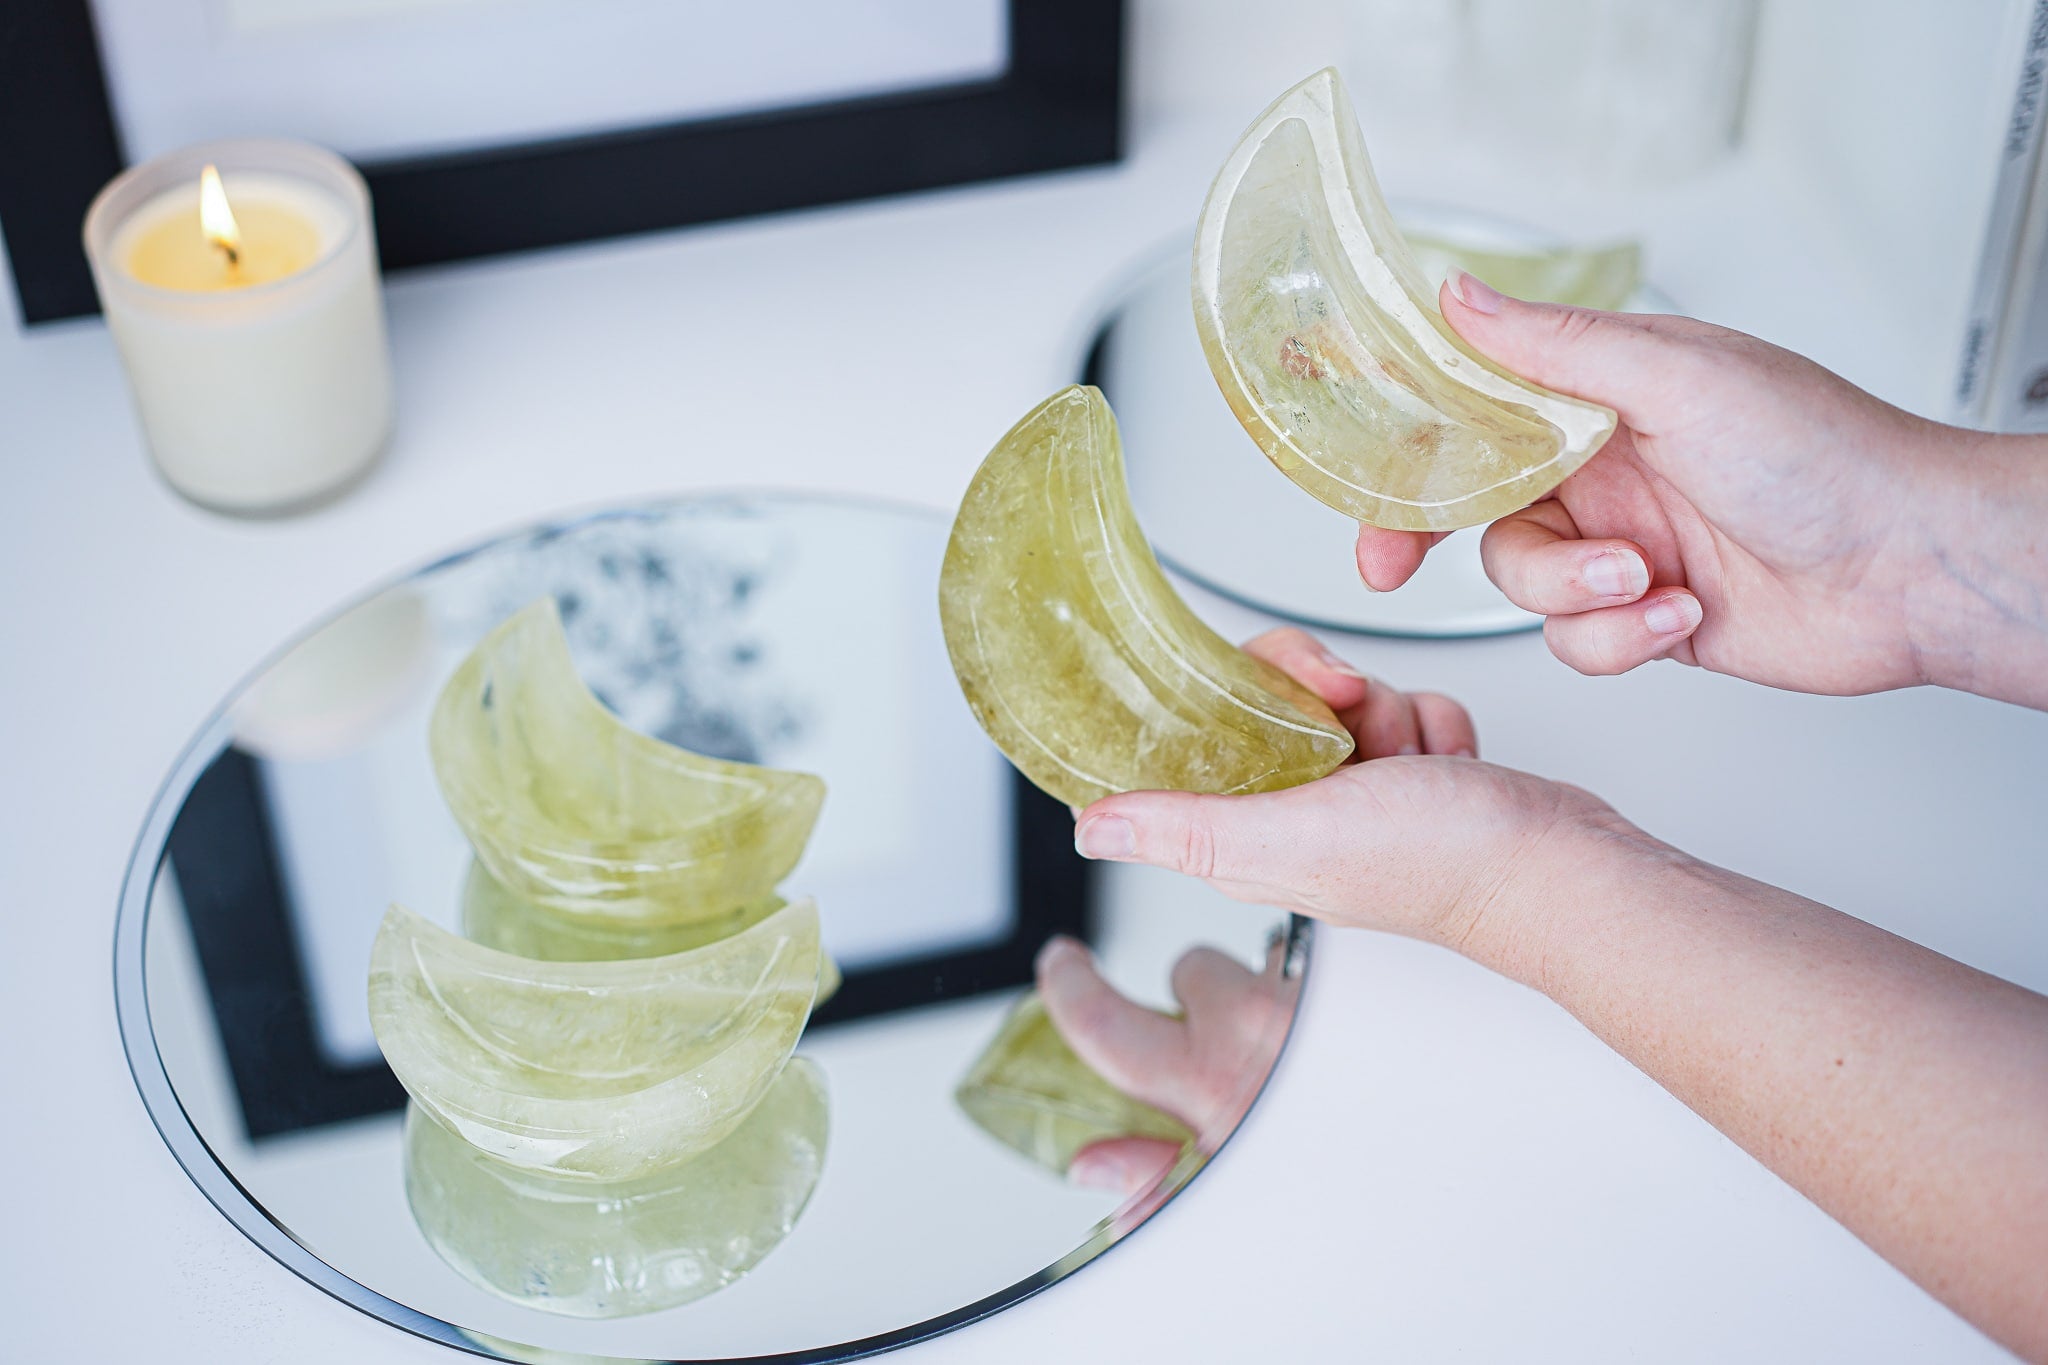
(607, 1249)
(570, 807)
(1075, 653)
(496, 918)
(593, 1070)
(1325, 338)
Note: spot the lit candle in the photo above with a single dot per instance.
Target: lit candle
(239, 281)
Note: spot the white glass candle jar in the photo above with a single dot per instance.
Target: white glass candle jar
(260, 368)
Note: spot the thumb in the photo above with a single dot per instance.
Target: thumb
(1252, 841)
(1627, 361)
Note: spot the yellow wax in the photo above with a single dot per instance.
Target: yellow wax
(174, 253)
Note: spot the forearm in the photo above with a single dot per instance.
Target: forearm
(1978, 611)
(1902, 1092)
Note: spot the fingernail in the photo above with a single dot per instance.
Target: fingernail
(1673, 615)
(1337, 664)
(1105, 836)
(1463, 751)
(1618, 573)
(1409, 750)
(1475, 293)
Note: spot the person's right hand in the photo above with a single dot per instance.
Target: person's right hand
(1753, 513)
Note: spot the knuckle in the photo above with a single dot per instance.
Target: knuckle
(1197, 851)
(1569, 324)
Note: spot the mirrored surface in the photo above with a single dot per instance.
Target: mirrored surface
(875, 1195)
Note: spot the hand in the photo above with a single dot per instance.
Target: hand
(1753, 513)
(1417, 837)
(1203, 1068)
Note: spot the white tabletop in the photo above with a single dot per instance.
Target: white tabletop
(1446, 1167)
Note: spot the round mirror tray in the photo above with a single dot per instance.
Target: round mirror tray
(906, 1172)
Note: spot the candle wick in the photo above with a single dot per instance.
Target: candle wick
(234, 255)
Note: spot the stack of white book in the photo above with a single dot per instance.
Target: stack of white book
(2002, 382)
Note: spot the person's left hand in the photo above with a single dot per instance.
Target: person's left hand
(1416, 837)
(1203, 1068)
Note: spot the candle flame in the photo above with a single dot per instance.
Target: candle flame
(216, 219)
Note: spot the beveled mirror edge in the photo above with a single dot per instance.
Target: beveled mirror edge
(197, 1159)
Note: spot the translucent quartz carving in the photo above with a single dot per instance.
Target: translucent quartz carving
(600, 1070)
(570, 807)
(607, 1249)
(1325, 338)
(496, 918)
(1585, 277)
(1030, 1092)
(1075, 653)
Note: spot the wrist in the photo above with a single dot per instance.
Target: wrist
(1537, 923)
(1976, 608)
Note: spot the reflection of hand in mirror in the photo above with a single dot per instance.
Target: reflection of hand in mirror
(1203, 1067)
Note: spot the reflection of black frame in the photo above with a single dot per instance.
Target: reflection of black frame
(226, 860)
(1055, 106)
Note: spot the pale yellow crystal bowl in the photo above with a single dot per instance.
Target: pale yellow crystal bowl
(496, 918)
(1075, 653)
(1325, 338)
(570, 807)
(593, 1070)
(493, 916)
(606, 1249)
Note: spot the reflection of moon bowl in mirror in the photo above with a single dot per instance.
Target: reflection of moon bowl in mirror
(792, 632)
(622, 1247)
(1030, 1092)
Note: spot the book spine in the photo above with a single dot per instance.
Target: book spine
(2005, 220)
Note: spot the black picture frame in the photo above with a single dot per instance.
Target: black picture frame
(225, 857)
(1058, 105)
